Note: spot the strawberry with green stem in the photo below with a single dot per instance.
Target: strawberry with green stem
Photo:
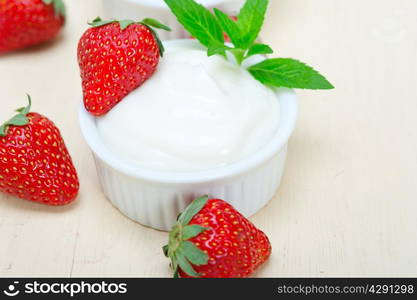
(209, 29)
(213, 240)
(34, 162)
(24, 23)
(115, 58)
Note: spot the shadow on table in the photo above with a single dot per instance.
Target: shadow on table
(25, 205)
(45, 46)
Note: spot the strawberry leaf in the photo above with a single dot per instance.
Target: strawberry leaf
(191, 231)
(180, 250)
(186, 266)
(125, 23)
(165, 250)
(2, 130)
(158, 41)
(59, 6)
(155, 23)
(176, 273)
(18, 120)
(193, 209)
(290, 73)
(193, 254)
(25, 110)
(98, 22)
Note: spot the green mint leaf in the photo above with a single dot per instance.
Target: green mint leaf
(191, 231)
(155, 23)
(259, 49)
(197, 20)
(290, 73)
(217, 48)
(193, 254)
(239, 55)
(185, 265)
(230, 27)
(250, 20)
(193, 209)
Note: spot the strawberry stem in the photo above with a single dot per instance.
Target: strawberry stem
(59, 6)
(180, 250)
(18, 120)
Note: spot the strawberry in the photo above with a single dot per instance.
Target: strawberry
(25, 23)
(116, 57)
(34, 161)
(213, 240)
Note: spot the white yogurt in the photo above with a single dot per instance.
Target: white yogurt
(195, 113)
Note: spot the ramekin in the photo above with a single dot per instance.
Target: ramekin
(139, 9)
(155, 198)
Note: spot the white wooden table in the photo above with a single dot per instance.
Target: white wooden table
(348, 202)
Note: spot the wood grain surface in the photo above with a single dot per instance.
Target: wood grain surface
(348, 201)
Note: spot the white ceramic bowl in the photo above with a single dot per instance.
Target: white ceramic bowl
(155, 198)
(140, 9)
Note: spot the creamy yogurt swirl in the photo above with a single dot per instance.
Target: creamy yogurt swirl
(195, 113)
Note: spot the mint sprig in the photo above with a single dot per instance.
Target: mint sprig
(288, 72)
(198, 21)
(208, 29)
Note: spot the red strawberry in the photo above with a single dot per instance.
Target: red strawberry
(116, 57)
(25, 23)
(34, 161)
(213, 240)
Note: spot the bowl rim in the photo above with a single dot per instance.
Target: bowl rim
(287, 122)
(156, 4)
